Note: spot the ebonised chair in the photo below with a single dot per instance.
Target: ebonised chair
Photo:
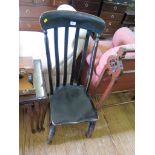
(69, 101)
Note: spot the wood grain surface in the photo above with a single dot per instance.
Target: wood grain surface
(114, 134)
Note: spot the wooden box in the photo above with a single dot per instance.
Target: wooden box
(26, 70)
(26, 65)
(26, 87)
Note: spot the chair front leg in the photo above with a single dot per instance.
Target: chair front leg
(51, 133)
(91, 127)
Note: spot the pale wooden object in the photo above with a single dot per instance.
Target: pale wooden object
(25, 67)
(25, 87)
(26, 63)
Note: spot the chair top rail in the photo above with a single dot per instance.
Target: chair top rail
(63, 18)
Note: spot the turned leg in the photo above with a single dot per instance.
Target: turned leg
(44, 107)
(37, 114)
(51, 133)
(91, 126)
(31, 117)
(133, 98)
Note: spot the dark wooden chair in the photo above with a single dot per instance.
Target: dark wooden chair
(69, 101)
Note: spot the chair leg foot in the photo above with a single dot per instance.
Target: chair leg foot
(33, 131)
(51, 134)
(91, 126)
(39, 129)
(133, 98)
(42, 129)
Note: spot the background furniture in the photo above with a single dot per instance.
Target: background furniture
(112, 76)
(124, 11)
(126, 82)
(119, 78)
(112, 12)
(129, 19)
(88, 6)
(36, 104)
(30, 11)
(114, 69)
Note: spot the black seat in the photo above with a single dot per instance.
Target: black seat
(69, 101)
(70, 104)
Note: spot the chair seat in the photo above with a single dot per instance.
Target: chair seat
(70, 104)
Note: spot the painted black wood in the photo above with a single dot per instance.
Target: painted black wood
(65, 55)
(57, 57)
(62, 18)
(83, 58)
(48, 61)
(74, 57)
(70, 102)
(91, 65)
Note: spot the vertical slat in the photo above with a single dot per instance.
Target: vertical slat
(74, 56)
(65, 55)
(83, 58)
(57, 57)
(48, 61)
(92, 59)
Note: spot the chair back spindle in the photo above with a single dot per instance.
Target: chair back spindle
(48, 61)
(74, 56)
(92, 59)
(65, 55)
(57, 57)
(83, 59)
